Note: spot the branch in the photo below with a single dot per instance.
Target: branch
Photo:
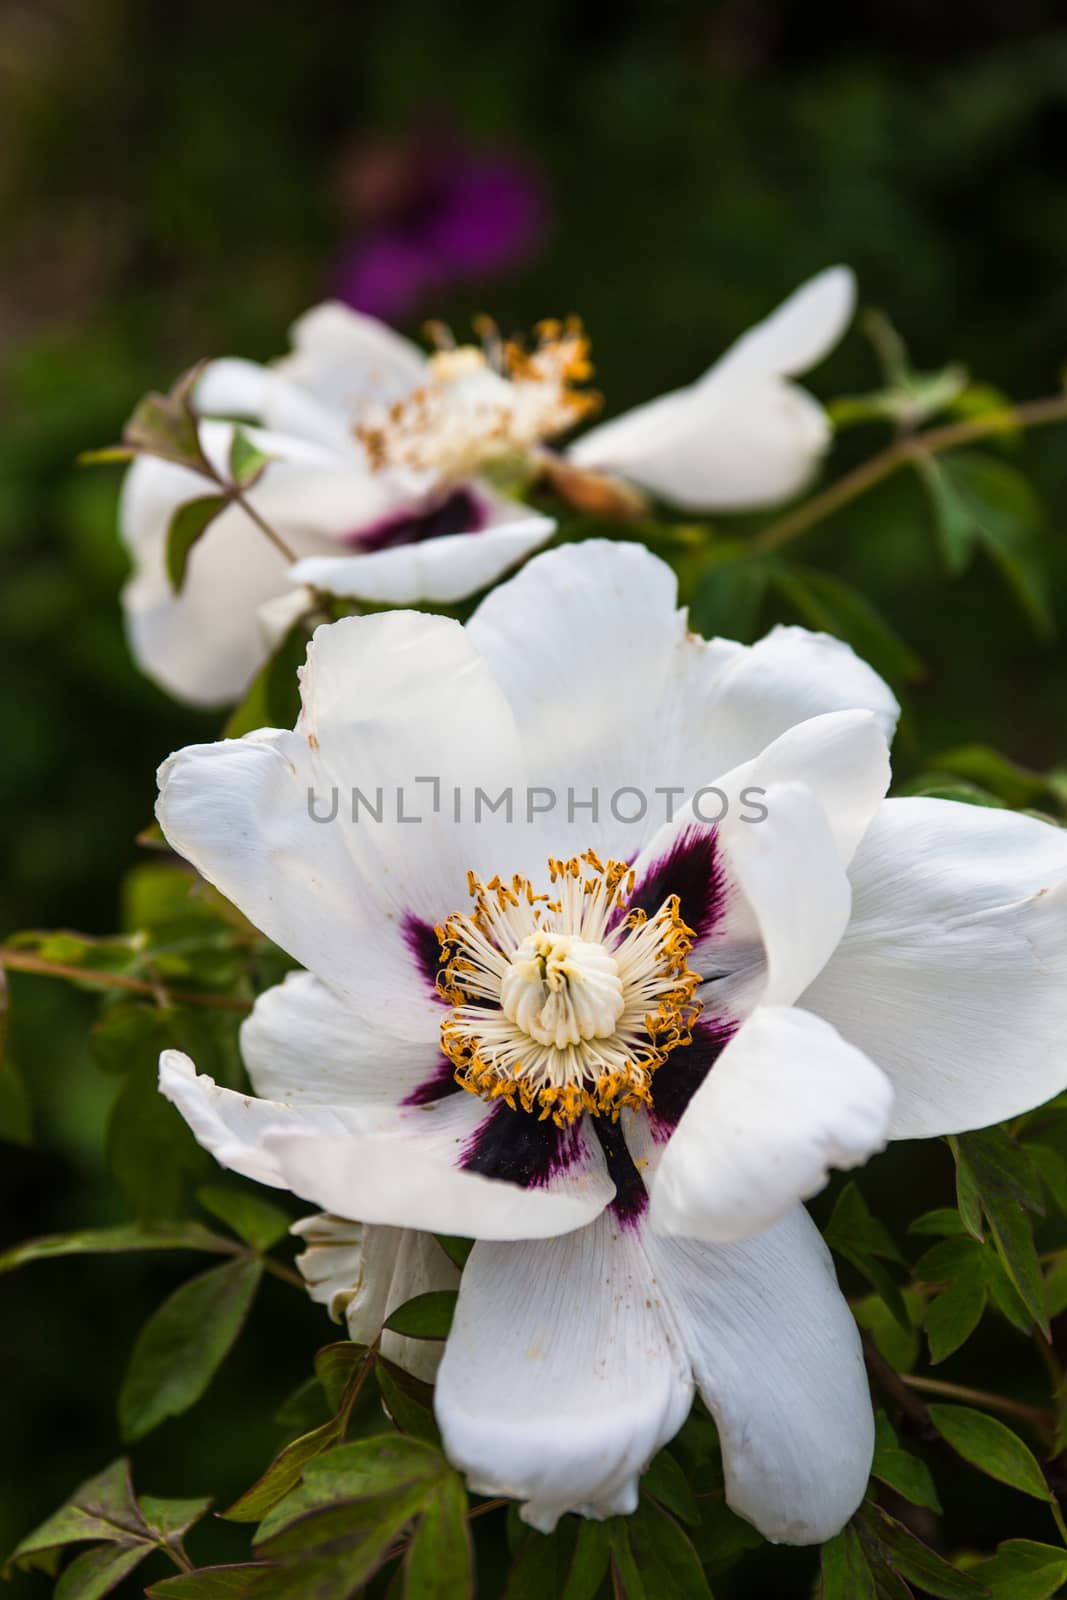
(25, 961)
(901, 453)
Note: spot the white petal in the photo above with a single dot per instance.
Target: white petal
(344, 358)
(390, 703)
(307, 1045)
(787, 677)
(439, 570)
(787, 1101)
(778, 1362)
(233, 387)
(800, 333)
(365, 1273)
(402, 1168)
(594, 628)
(203, 645)
(953, 972)
(561, 1377)
(742, 436)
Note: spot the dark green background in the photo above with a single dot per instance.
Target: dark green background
(169, 181)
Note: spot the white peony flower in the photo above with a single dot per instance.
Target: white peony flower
(742, 436)
(374, 483)
(378, 459)
(649, 1041)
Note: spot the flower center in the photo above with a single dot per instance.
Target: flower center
(565, 1002)
(560, 989)
(484, 405)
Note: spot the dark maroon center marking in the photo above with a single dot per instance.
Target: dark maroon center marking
(631, 1196)
(461, 512)
(440, 1083)
(425, 947)
(676, 1082)
(691, 869)
(520, 1148)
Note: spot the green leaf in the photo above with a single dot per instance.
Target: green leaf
(865, 1242)
(731, 592)
(942, 1223)
(190, 522)
(666, 1482)
(273, 697)
(170, 1518)
(208, 1583)
(456, 1249)
(165, 425)
(832, 606)
(427, 1316)
(182, 1345)
(902, 1471)
(256, 1221)
(624, 1568)
(336, 1365)
(537, 1570)
(1023, 1570)
(101, 1508)
(589, 1563)
(899, 1345)
(664, 1555)
(110, 1241)
(439, 1562)
(888, 1543)
(991, 1447)
(408, 1402)
(1006, 1180)
(953, 1316)
(844, 1569)
(96, 1572)
(150, 1149)
(284, 1472)
(953, 516)
(1005, 516)
(247, 461)
(1017, 786)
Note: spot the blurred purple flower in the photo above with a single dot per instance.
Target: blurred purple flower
(434, 213)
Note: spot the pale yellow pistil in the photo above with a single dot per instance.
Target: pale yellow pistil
(567, 1004)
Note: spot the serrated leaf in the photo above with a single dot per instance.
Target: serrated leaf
(439, 1561)
(427, 1316)
(991, 1447)
(182, 1345)
(111, 1241)
(845, 1572)
(666, 1482)
(255, 1221)
(1023, 1570)
(190, 522)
